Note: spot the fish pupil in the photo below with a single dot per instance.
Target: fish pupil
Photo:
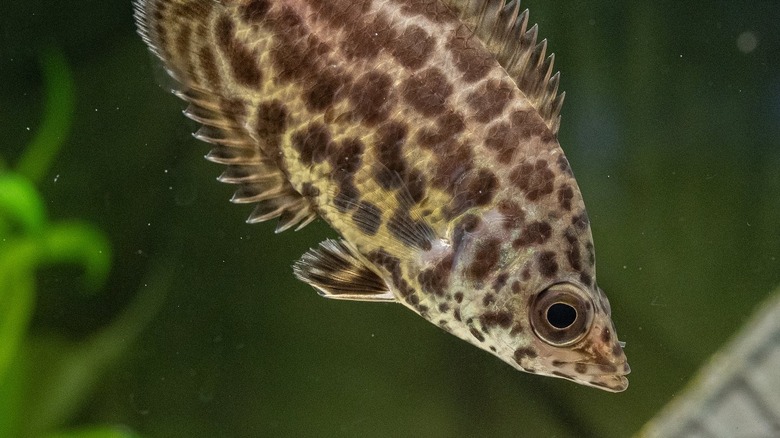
(561, 315)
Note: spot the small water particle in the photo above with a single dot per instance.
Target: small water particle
(27, 128)
(592, 21)
(747, 41)
(56, 177)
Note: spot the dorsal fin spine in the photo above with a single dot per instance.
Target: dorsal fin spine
(504, 32)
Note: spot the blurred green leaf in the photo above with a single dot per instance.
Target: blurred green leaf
(57, 117)
(79, 243)
(20, 204)
(17, 289)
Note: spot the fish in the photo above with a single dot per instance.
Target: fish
(425, 133)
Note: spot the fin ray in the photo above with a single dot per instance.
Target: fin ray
(337, 271)
(249, 163)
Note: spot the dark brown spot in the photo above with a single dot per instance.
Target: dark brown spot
(470, 58)
(500, 139)
(526, 274)
(340, 13)
(535, 233)
(573, 253)
(325, 91)
(485, 259)
(563, 165)
(367, 217)
(444, 307)
(591, 253)
(527, 124)
(393, 265)
(453, 160)
(184, 42)
(516, 329)
(489, 100)
(515, 287)
(371, 98)
(310, 191)
(451, 123)
(435, 280)
(456, 314)
(491, 319)
(547, 264)
(243, 62)
(580, 368)
(535, 180)
(208, 66)
(565, 194)
(606, 336)
(254, 11)
(479, 336)
(297, 52)
(427, 91)
(433, 10)
(271, 123)
(415, 185)
(367, 37)
(345, 160)
(586, 279)
(607, 368)
(580, 221)
(413, 47)
(488, 299)
(313, 143)
(500, 281)
(391, 164)
(468, 224)
(458, 297)
(522, 353)
(475, 190)
(514, 216)
(347, 196)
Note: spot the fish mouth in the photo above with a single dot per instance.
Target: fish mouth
(611, 383)
(609, 377)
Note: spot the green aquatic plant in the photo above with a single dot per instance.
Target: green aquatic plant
(42, 379)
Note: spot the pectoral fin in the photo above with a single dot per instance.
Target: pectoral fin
(338, 271)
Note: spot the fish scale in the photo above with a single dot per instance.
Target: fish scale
(425, 133)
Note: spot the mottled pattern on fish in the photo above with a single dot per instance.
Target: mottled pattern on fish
(425, 133)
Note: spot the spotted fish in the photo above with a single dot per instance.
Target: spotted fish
(425, 133)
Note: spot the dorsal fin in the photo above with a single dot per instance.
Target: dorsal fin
(503, 29)
(249, 160)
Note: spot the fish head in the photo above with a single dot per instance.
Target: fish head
(572, 336)
(538, 307)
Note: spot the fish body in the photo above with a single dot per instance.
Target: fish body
(425, 133)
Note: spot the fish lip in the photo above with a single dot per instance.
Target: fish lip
(594, 369)
(611, 383)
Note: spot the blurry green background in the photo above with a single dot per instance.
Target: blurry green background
(671, 123)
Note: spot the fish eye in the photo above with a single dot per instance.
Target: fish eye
(561, 315)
